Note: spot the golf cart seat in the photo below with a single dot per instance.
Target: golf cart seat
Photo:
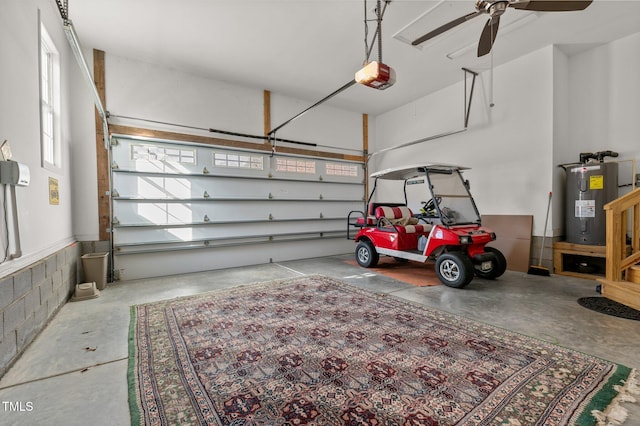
(370, 219)
(399, 219)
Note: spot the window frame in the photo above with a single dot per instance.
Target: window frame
(49, 100)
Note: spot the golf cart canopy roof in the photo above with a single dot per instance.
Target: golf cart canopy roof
(404, 173)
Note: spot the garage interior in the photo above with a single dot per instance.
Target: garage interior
(197, 147)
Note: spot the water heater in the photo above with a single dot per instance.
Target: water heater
(591, 184)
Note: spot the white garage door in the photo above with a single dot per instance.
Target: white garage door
(183, 207)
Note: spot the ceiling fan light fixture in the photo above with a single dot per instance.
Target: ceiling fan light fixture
(377, 75)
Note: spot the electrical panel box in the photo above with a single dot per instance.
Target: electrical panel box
(14, 173)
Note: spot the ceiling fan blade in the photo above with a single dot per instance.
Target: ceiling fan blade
(445, 27)
(551, 5)
(488, 36)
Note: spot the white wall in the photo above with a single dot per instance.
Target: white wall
(324, 125)
(144, 90)
(509, 147)
(605, 101)
(605, 104)
(84, 174)
(563, 151)
(44, 228)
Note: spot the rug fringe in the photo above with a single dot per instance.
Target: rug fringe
(615, 415)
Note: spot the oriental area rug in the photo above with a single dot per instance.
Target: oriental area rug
(317, 351)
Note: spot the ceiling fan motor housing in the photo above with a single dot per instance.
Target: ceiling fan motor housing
(377, 75)
(493, 8)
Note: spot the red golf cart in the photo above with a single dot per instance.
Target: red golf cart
(447, 229)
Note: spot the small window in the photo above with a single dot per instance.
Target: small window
(158, 153)
(238, 161)
(49, 101)
(337, 169)
(295, 166)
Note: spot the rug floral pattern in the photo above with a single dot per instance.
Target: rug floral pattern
(317, 351)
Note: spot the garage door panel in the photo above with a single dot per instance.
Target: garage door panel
(163, 213)
(222, 231)
(145, 265)
(135, 186)
(178, 199)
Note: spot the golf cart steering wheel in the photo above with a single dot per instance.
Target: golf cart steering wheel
(429, 208)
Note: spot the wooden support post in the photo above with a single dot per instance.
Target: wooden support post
(635, 232)
(614, 250)
(267, 112)
(102, 158)
(365, 153)
(365, 134)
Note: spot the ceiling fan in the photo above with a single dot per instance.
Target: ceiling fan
(495, 9)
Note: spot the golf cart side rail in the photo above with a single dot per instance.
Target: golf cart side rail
(350, 223)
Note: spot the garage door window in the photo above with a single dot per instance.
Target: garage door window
(295, 166)
(158, 153)
(336, 169)
(238, 161)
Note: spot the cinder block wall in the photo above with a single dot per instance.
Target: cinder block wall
(31, 297)
(547, 252)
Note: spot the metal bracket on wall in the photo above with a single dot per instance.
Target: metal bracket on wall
(467, 106)
(467, 112)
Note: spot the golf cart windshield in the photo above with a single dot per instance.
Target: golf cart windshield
(452, 198)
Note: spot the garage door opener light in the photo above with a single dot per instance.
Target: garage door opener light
(377, 75)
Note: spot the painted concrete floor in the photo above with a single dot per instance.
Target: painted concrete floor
(58, 381)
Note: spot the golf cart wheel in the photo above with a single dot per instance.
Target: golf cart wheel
(366, 254)
(454, 269)
(498, 265)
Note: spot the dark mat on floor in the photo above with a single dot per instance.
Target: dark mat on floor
(609, 307)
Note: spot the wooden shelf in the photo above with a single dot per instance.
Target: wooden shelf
(564, 253)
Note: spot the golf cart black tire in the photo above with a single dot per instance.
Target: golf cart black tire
(366, 254)
(499, 265)
(454, 269)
